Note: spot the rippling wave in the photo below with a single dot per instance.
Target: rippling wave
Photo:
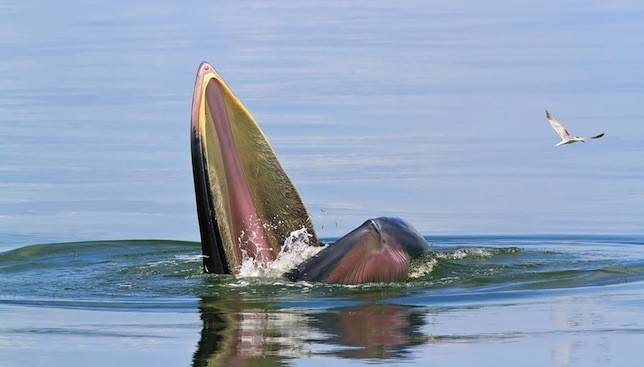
(159, 274)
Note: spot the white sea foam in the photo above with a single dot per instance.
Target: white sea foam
(463, 253)
(176, 259)
(294, 251)
(423, 269)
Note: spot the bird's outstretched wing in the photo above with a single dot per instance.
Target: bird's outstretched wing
(561, 131)
(597, 136)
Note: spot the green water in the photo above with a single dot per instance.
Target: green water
(578, 298)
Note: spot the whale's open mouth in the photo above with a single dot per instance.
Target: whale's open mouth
(246, 203)
(247, 206)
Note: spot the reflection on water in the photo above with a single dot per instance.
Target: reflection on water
(583, 330)
(233, 335)
(372, 331)
(487, 300)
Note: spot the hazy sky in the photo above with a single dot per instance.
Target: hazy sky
(429, 111)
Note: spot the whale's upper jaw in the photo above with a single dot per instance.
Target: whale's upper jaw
(214, 257)
(245, 202)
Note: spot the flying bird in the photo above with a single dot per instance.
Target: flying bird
(566, 138)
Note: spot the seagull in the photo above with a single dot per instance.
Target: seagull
(566, 138)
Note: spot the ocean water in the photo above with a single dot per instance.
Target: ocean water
(488, 300)
(426, 110)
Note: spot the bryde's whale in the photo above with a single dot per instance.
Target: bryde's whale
(246, 204)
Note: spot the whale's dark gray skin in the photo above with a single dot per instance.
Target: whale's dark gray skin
(247, 205)
(380, 250)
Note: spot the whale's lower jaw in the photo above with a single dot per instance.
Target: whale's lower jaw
(378, 251)
(246, 203)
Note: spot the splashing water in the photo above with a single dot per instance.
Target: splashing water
(423, 269)
(294, 251)
(465, 252)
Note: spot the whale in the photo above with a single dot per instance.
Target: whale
(368, 330)
(247, 205)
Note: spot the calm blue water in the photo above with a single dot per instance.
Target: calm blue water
(429, 111)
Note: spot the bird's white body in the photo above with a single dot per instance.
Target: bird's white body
(570, 141)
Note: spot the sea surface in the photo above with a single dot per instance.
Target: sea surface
(492, 300)
(431, 111)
